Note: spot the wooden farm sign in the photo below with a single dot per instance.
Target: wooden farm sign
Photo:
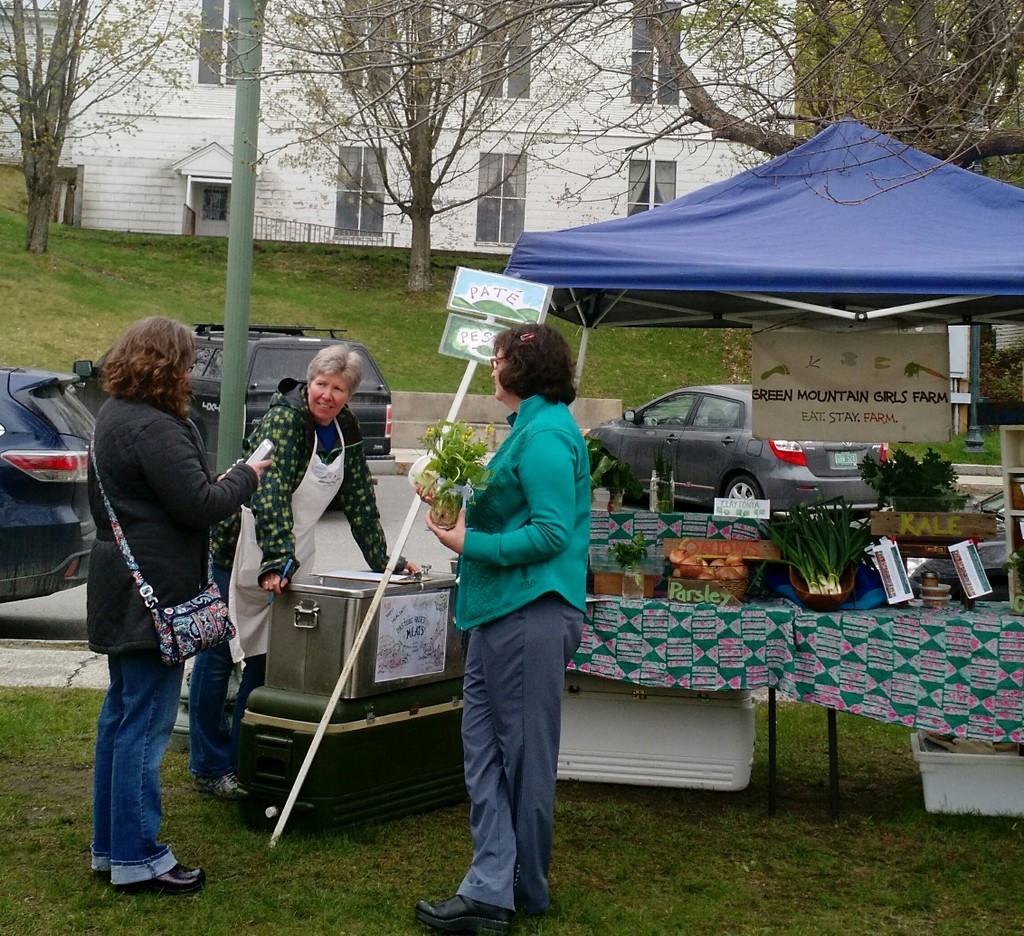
(850, 387)
(702, 591)
(720, 548)
(932, 527)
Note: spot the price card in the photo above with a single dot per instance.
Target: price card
(969, 569)
(890, 566)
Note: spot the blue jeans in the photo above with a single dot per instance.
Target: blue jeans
(209, 737)
(254, 674)
(134, 727)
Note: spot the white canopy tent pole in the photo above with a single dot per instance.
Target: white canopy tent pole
(364, 629)
(581, 356)
(864, 316)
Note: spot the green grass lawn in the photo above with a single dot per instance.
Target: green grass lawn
(643, 861)
(75, 300)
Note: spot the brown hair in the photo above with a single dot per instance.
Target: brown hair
(151, 362)
(537, 361)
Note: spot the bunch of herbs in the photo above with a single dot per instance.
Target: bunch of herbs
(907, 483)
(630, 553)
(609, 472)
(456, 455)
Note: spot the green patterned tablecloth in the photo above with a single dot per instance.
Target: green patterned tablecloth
(670, 645)
(955, 672)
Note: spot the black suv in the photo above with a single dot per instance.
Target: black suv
(275, 352)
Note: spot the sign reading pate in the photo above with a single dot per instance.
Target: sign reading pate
(870, 387)
(412, 635)
(495, 296)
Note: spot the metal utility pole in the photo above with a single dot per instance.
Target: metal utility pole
(974, 442)
(240, 227)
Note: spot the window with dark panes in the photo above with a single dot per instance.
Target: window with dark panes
(643, 195)
(215, 203)
(218, 42)
(654, 75)
(673, 411)
(717, 413)
(360, 198)
(505, 62)
(203, 355)
(215, 364)
(501, 207)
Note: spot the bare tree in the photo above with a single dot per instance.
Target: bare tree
(941, 75)
(401, 100)
(60, 59)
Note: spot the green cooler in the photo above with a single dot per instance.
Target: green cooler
(381, 757)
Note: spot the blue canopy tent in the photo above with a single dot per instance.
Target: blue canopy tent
(851, 230)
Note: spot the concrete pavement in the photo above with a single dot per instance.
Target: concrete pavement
(57, 664)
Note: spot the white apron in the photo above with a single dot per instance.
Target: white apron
(248, 602)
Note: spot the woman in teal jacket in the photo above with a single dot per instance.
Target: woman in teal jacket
(522, 589)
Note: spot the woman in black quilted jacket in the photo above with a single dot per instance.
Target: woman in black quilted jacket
(153, 466)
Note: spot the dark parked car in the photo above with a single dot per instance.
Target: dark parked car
(274, 352)
(706, 433)
(46, 531)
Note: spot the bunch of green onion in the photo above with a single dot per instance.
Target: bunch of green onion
(820, 541)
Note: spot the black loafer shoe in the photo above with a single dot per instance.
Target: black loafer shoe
(179, 880)
(461, 914)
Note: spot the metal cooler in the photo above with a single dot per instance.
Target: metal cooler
(393, 745)
(412, 639)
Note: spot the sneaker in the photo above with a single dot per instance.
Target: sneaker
(225, 787)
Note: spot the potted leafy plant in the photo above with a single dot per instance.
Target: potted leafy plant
(454, 469)
(630, 554)
(611, 473)
(1014, 566)
(822, 544)
(905, 483)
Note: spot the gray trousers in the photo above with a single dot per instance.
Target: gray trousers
(511, 722)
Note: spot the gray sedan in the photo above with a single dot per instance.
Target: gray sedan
(705, 431)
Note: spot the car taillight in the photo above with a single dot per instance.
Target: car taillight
(50, 466)
(883, 452)
(786, 451)
(389, 422)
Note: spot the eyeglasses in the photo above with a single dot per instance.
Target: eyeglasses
(495, 361)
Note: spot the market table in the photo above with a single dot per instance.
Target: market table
(951, 671)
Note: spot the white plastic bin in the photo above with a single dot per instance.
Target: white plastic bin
(986, 784)
(616, 732)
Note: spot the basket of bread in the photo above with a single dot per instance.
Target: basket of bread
(730, 573)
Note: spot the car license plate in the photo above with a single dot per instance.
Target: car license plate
(846, 459)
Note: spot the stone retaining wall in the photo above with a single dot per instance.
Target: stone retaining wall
(414, 412)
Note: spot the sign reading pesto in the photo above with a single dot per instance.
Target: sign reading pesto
(470, 338)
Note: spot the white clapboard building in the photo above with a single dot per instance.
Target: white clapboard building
(586, 158)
